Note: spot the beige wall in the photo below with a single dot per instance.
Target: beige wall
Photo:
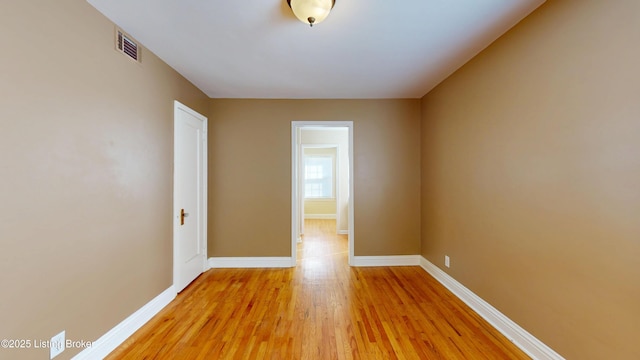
(320, 208)
(386, 180)
(531, 176)
(86, 174)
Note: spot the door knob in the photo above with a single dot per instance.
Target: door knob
(182, 216)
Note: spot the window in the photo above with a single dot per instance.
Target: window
(318, 176)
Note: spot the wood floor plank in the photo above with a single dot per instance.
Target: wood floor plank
(321, 309)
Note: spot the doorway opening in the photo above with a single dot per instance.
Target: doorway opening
(322, 178)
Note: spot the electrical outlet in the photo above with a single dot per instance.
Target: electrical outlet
(57, 345)
(447, 262)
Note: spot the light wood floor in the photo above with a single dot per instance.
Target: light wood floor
(321, 309)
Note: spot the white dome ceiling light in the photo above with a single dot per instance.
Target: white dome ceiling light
(311, 11)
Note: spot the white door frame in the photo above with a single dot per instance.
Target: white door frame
(296, 155)
(203, 189)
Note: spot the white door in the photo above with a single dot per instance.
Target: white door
(189, 196)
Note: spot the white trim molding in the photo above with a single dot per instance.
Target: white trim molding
(121, 332)
(250, 262)
(393, 260)
(514, 332)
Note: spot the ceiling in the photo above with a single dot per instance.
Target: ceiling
(364, 49)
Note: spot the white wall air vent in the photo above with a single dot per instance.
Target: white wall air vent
(127, 45)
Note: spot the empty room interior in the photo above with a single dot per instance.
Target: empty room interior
(505, 168)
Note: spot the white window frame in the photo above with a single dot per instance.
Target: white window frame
(331, 181)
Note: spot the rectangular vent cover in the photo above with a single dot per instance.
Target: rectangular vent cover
(126, 45)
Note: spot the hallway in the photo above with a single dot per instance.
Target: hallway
(321, 244)
(321, 309)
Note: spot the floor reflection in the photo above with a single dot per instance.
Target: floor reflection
(322, 252)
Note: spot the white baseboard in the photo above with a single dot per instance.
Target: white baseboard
(250, 262)
(393, 260)
(516, 334)
(343, 232)
(320, 216)
(121, 332)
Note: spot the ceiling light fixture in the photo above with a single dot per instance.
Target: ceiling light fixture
(311, 11)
